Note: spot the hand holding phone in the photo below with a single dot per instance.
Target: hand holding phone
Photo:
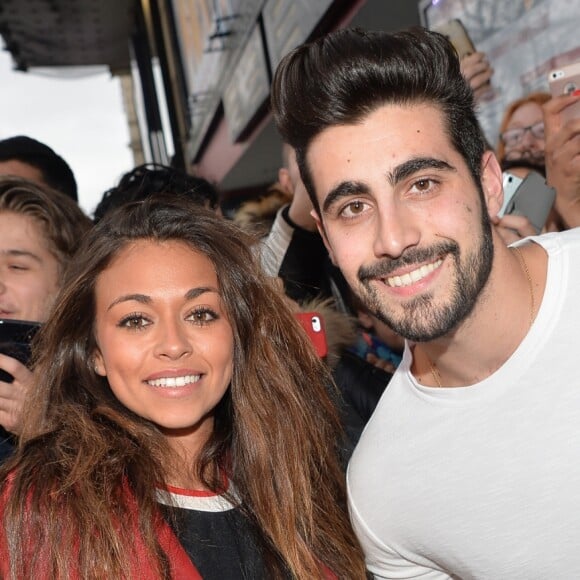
(457, 34)
(530, 197)
(564, 81)
(15, 338)
(474, 65)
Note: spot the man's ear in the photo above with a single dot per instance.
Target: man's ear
(285, 181)
(492, 183)
(322, 233)
(99, 363)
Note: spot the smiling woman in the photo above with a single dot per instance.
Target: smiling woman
(180, 426)
(164, 341)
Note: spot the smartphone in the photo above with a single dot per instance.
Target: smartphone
(532, 198)
(15, 339)
(511, 183)
(458, 36)
(313, 324)
(564, 81)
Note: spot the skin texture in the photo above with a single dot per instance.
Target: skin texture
(395, 195)
(159, 314)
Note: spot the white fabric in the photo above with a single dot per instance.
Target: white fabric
(482, 481)
(274, 246)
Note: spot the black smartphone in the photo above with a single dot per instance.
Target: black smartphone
(15, 338)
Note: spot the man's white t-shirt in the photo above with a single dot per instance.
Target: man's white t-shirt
(482, 481)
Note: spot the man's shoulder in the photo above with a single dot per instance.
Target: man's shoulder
(564, 240)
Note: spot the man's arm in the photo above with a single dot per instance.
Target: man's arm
(563, 158)
(477, 71)
(382, 561)
(297, 256)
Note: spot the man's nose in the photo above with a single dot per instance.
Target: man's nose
(396, 230)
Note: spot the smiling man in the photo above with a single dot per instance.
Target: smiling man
(39, 231)
(468, 467)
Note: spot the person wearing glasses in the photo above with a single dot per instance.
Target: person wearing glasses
(521, 131)
(534, 137)
(521, 149)
(562, 158)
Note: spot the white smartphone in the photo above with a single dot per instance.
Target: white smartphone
(564, 81)
(511, 183)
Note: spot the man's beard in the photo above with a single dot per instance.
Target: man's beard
(535, 157)
(422, 319)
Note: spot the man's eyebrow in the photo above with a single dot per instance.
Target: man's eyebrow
(408, 168)
(16, 253)
(344, 189)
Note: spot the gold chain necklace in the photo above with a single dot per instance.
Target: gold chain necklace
(524, 266)
(435, 371)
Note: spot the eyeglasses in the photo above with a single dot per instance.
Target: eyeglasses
(512, 137)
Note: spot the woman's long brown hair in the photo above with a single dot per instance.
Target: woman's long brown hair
(82, 455)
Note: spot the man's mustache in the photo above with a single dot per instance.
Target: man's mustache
(386, 266)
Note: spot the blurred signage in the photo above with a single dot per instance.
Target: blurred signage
(249, 86)
(289, 23)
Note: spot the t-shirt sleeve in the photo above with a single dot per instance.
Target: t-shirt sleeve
(382, 561)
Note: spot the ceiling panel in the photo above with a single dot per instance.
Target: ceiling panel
(57, 33)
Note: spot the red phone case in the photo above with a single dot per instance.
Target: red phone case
(313, 324)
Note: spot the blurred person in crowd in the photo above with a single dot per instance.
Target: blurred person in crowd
(480, 419)
(40, 229)
(257, 215)
(180, 425)
(294, 250)
(521, 131)
(521, 149)
(563, 158)
(28, 158)
(156, 179)
(515, 227)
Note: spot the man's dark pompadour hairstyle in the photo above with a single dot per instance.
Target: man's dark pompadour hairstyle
(344, 76)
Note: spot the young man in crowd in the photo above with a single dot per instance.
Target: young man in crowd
(39, 231)
(28, 158)
(468, 467)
